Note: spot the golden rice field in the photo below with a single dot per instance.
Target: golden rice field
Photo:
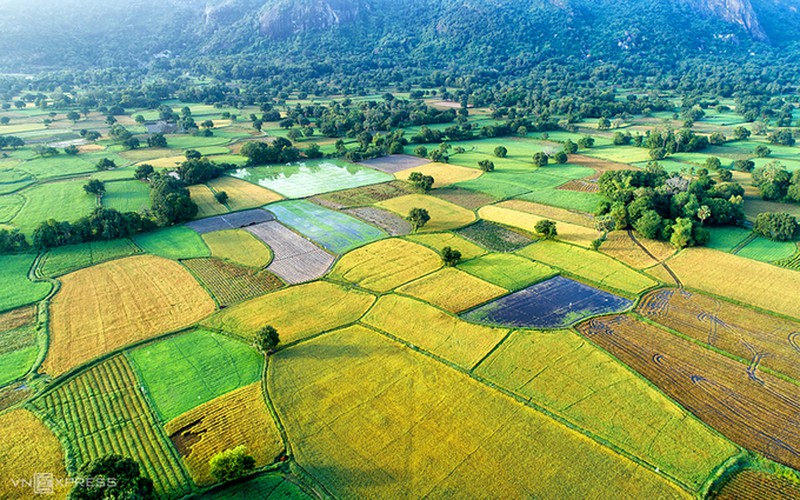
(207, 205)
(243, 194)
(572, 378)
(166, 161)
(111, 305)
(452, 290)
(548, 212)
(443, 174)
(744, 280)
(444, 215)
(239, 247)
(295, 312)
(424, 430)
(438, 241)
(621, 247)
(435, 331)
(28, 447)
(239, 417)
(571, 233)
(386, 264)
(589, 265)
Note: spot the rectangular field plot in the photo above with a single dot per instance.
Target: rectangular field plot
(568, 376)
(335, 231)
(390, 222)
(111, 305)
(556, 303)
(15, 288)
(471, 200)
(300, 180)
(571, 233)
(444, 215)
(238, 418)
(589, 265)
(127, 196)
(443, 174)
(765, 250)
(62, 260)
(761, 339)
(238, 246)
(265, 486)
(433, 330)
(207, 205)
(439, 241)
(230, 283)
(424, 430)
(494, 237)
(508, 271)
(385, 265)
(187, 370)
(295, 312)
(176, 242)
(726, 239)
(295, 259)
(18, 343)
(452, 290)
(241, 194)
(621, 246)
(67, 199)
(235, 220)
(761, 415)
(750, 483)
(550, 212)
(395, 163)
(366, 195)
(102, 411)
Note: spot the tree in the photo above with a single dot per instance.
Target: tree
(423, 182)
(603, 123)
(540, 159)
(418, 217)
(703, 213)
(649, 225)
(95, 186)
(45, 151)
(157, 141)
(72, 150)
(772, 180)
(682, 233)
(267, 339)
(73, 116)
(783, 137)
(762, 151)
(560, 157)
(486, 165)
(112, 477)
(131, 143)
(776, 226)
(421, 151)
(717, 138)
(5, 120)
(207, 124)
(725, 175)
(221, 197)
(741, 133)
(231, 464)
(450, 257)
(586, 142)
(570, 147)
(105, 164)
(143, 171)
(500, 151)
(658, 154)
(192, 154)
(546, 229)
(92, 135)
(744, 165)
(713, 163)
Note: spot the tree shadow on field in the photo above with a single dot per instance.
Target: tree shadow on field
(334, 477)
(324, 351)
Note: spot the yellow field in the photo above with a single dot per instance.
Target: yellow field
(590, 265)
(438, 241)
(295, 312)
(28, 447)
(239, 246)
(443, 174)
(242, 194)
(371, 419)
(238, 418)
(433, 330)
(621, 247)
(452, 290)
(569, 376)
(166, 162)
(745, 280)
(386, 264)
(111, 305)
(444, 215)
(207, 205)
(548, 212)
(571, 233)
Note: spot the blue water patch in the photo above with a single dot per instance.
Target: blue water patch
(555, 303)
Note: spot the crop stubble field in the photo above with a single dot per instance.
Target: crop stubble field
(229, 283)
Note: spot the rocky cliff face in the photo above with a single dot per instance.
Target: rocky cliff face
(737, 12)
(285, 18)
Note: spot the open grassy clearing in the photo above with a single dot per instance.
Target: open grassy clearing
(58, 166)
(114, 304)
(296, 312)
(335, 231)
(444, 215)
(102, 411)
(269, 486)
(438, 241)
(12, 179)
(452, 290)
(238, 246)
(422, 429)
(242, 195)
(589, 265)
(366, 195)
(10, 205)
(295, 259)
(207, 205)
(571, 233)
(433, 330)
(231, 283)
(64, 200)
(187, 370)
(15, 288)
(239, 417)
(28, 447)
(385, 265)
(619, 245)
(176, 242)
(726, 239)
(760, 415)
(443, 174)
(584, 385)
(311, 177)
(127, 196)
(507, 271)
(63, 260)
(758, 338)
(765, 250)
(740, 279)
(19, 348)
(494, 237)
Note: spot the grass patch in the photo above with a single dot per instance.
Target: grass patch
(177, 242)
(507, 271)
(726, 239)
(63, 260)
(10, 205)
(127, 196)
(765, 250)
(15, 288)
(61, 200)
